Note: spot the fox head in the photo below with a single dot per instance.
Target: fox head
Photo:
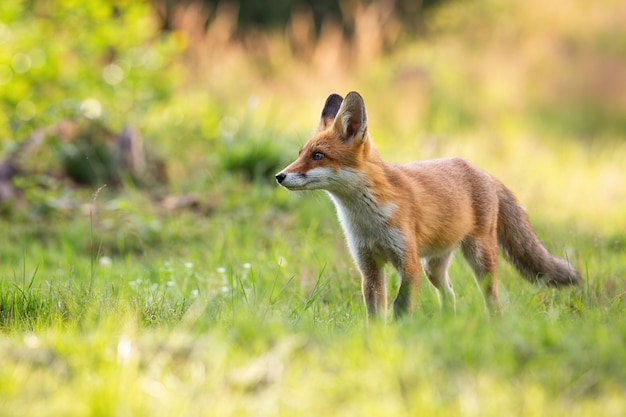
(336, 151)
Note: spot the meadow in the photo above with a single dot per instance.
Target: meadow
(114, 301)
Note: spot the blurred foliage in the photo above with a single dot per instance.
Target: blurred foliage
(255, 158)
(74, 74)
(268, 15)
(183, 73)
(88, 160)
(557, 66)
(95, 58)
(113, 60)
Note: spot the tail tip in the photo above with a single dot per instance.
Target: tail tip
(565, 278)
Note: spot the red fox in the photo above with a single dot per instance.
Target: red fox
(415, 215)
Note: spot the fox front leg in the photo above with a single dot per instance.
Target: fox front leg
(372, 285)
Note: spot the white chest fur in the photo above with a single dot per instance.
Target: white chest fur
(366, 223)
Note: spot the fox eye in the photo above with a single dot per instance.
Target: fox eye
(317, 156)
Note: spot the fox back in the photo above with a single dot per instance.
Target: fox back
(414, 215)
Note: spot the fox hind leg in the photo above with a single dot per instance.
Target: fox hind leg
(482, 256)
(436, 270)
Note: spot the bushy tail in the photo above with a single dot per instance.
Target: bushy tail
(522, 248)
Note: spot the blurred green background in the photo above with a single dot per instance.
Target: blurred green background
(144, 110)
(193, 76)
(149, 264)
(148, 125)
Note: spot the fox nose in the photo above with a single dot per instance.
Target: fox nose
(280, 177)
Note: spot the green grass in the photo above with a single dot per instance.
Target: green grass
(246, 302)
(255, 309)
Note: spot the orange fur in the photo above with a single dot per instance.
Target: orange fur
(415, 215)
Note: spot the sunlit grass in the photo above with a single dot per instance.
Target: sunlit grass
(220, 319)
(246, 302)
(536, 361)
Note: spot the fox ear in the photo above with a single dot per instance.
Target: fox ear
(331, 107)
(351, 120)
